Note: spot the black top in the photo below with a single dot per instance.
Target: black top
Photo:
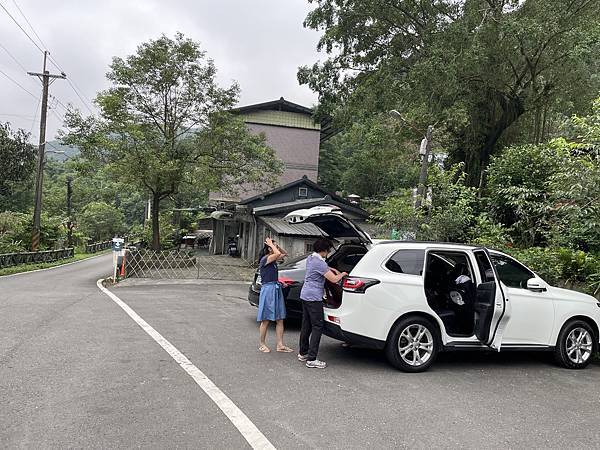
(268, 272)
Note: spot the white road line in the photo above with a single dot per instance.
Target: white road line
(249, 431)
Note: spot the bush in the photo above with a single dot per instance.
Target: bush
(562, 267)
(15, 232)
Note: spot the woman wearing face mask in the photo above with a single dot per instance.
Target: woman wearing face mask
(271, 305)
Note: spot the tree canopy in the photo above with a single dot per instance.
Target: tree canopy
(163, 124)
(485, 71)
(17, 159)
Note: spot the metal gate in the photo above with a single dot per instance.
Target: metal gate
(144, 263)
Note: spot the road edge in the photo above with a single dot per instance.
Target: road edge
(54, 267)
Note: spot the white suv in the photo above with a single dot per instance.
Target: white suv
(415, 299)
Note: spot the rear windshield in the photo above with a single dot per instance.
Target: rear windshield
(298, 262)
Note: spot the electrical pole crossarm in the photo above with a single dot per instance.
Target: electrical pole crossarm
(49, 75)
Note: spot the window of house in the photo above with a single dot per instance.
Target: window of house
(407, 261)
(302, 192)
(308, 247)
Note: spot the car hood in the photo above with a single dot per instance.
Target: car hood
(569, 295)
(331, 221)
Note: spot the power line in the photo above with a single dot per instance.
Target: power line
(20, 116)
(22, 29)
(86, 102)
(29, 23)
(52, 60)
(59, 103)
(17, 83)
(35, 114)
(13, 58)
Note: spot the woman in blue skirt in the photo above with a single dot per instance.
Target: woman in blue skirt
(271, 306)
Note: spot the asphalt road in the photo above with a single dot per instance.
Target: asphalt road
(76, 371)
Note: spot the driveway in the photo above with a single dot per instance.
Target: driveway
(77, 371)
(466, 400)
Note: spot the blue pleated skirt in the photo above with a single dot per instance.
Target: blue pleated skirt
(271, 305)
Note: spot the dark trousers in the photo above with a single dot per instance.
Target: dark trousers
(312, 329)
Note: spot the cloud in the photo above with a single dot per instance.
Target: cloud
(258, 43)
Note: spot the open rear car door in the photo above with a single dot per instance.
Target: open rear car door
(330, 220)
(492, 306)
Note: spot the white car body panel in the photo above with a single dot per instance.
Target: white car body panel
(532, 319)
(521, 317)
(535, 317)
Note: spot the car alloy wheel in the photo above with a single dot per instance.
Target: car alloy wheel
(579, 345)
(415, 345)
(576, 344)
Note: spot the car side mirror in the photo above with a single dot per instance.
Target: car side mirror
(536, 285)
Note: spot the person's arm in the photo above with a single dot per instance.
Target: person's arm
(333, 277)
(275, 255)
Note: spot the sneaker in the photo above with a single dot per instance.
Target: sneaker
(302, 357)
(316, 364)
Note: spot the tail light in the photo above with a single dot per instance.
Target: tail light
(286, 282)
(358, 285)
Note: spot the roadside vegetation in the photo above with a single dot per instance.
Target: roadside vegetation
(163, 140)
(512, 90)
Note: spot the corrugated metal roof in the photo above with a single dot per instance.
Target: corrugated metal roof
(280, 226)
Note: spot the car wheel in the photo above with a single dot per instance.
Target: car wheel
(413, 344)
(576, 345)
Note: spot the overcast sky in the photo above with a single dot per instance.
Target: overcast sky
(258, 43)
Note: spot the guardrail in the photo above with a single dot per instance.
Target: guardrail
(97, 246)
(14, 259)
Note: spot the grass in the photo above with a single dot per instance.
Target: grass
(29, 267)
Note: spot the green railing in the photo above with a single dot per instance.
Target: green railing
(14, 259)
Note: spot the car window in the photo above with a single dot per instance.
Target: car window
(352, 259)
(407, 261)
(511, 272)
(485, 268)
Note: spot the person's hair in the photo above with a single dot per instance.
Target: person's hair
(265, 251)
(322, 245)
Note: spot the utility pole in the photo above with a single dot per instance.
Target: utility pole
(69, 218)
(421, 188)
(46, 78)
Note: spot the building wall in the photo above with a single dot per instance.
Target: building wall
(282, 118)
(298, 148)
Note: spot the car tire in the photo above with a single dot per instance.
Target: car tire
(416, 355)
(576, 344)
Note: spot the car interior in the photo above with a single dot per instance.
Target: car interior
(450, 291)
(344, 259)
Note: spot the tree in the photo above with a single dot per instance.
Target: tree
(17, 159)
(477, 67)
(162, 125)
(100, 221)
(449, 216)
(370, 158)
